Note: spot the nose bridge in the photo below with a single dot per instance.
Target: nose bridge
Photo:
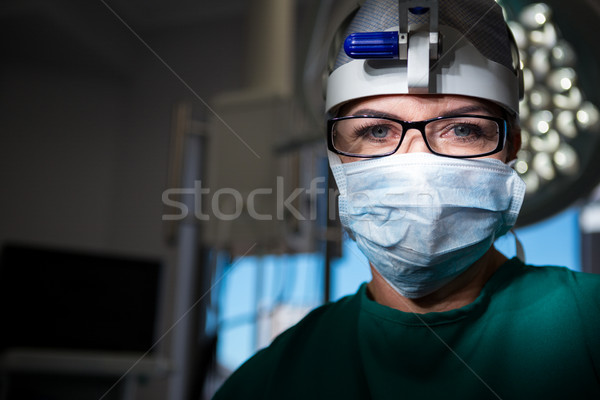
(414, 138)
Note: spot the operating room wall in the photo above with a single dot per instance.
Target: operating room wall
(85, 156)
(84, 150)
(58, 156)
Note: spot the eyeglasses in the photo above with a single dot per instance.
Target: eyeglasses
(459, 136)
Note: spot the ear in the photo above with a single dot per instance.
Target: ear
(514, 143)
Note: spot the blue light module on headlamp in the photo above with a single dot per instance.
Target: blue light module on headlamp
(362, 45)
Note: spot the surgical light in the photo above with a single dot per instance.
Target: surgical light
(559, 123)
(551, 94)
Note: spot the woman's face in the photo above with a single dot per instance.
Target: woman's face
(423, 107)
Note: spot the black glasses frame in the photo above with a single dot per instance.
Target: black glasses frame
(420, 126)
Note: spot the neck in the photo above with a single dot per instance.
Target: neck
(461, 291)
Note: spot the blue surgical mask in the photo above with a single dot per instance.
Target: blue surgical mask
(421, 219)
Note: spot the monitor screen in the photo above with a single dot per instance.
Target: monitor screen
(61, 299)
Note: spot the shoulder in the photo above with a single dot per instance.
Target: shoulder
(297, 352)
(543, 275)
(320, 326)
(557, 300)
(554, 289)
(560, 278)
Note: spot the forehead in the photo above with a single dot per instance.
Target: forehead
(415, 107)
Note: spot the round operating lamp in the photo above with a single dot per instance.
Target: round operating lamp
(560, 155)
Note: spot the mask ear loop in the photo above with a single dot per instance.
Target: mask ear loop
(519, 247)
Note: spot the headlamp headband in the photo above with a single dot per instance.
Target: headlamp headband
(408, 59)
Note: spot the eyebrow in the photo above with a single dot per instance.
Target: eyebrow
(375, 113)
(468, 110)
(456, 111)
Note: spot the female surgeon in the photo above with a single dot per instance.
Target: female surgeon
(423, 126)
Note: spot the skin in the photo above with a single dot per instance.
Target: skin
(467, 286)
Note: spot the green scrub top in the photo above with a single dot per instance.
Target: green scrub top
(532, 333)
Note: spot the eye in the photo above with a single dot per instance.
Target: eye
(462, 130)
(379, 131)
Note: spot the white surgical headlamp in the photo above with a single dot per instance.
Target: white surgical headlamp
(463, 48)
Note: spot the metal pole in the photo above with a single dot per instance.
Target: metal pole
(589, 222)
(185, 340)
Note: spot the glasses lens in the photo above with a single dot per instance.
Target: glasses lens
(366, 136)
(463, 136)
